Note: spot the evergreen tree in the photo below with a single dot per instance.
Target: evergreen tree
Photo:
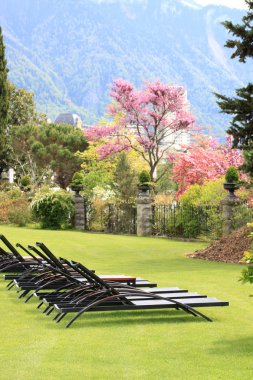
(125, 180)
(243, 45)
(40, 151)
(241, 107)
(4, 106)
(22, 108)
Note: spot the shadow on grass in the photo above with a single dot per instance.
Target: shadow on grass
(237, 346)
(103, 320)
(129, 318)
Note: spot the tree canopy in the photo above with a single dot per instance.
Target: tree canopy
(46, 150)
(241, 106)
(147, 121)
(4, 105)
(242, 44)
(22, 108)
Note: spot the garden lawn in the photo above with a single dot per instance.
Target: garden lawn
(156, 344)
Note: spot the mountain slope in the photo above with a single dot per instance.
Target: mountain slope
(68, 52)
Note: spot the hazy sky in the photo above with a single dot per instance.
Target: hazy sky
(229, 3)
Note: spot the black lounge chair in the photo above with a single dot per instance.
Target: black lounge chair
(52, 273)
(99, 295)
(67, 287)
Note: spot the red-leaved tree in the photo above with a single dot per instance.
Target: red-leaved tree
(205, 160)
(147, 121)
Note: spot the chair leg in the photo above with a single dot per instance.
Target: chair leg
(61, 317)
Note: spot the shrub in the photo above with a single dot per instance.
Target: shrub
(210, 193)
(20, 213)
(207, 198)
(25, 181)
(247, 273)
(12, 203)
(232, 175)
(5, 205)
(98, 216)
(53, 209)
(77, 179)
(144, 177)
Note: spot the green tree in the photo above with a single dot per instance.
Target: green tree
(24, 158)
(47, 150)
(53, 209)
(4, 106)
(243, 44)
(165, 185)
(56, 147)
(98, 173)
(241, 106)
(22, 108)
(125, 179)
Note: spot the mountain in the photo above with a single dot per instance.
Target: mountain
(69, 51)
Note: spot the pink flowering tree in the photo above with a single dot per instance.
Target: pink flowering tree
(205, 160)
(147, 121)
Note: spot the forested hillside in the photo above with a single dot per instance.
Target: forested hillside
(68, 52)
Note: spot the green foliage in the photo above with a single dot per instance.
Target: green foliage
(100, 178)
(144, 177)
(25, 181)
(242, 214)
(210, 193)
(191, 227)
(46, 150)
(14, 193)
(98, 173)
(247, 166)
(4, 107)
(209, 196)
(14, 207)
(77, 179)
(240, 107)
(59, 145)
(165, 184)
(22, 109)
(232, 175)
(53, 209)
(25, 158)
(247, 273)
(20, 213)
(243, 33)
(125, 180)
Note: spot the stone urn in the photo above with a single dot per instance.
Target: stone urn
(77, 188)
(231, 187)
(25, 189)
(144, 190)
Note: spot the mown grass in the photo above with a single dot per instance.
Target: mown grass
(163, 344)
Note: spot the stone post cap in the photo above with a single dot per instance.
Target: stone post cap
(144, 200)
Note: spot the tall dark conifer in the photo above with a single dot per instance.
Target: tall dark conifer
(240, 107)
(4, 105)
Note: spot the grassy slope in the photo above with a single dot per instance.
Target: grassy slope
(130, 345)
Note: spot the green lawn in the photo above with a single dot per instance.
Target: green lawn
(166, 344)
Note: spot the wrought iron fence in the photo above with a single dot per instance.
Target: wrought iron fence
(194, 221)
(172, 220)
(111, 218)
(183, 221)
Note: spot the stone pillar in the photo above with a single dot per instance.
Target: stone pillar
(228, 205)
(144, 214)
(79, 212)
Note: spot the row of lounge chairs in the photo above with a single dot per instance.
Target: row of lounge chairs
(67, 287)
